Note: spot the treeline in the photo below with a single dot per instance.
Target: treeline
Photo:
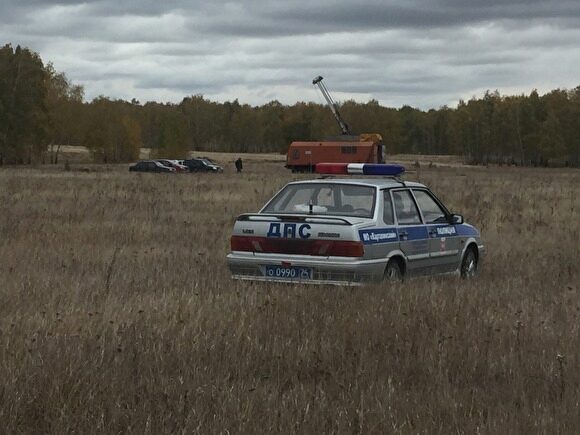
(41, 110)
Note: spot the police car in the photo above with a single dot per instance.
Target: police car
(352, 230)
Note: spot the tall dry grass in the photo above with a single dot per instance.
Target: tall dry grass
(117, 314)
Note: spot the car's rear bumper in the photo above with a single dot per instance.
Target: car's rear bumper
(325, 270)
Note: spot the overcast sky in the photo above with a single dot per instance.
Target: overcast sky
(424, 53)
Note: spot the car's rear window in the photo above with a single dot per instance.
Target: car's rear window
(324, 199)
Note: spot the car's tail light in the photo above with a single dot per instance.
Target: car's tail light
(335, 248)
(326, 248)
(241, 243)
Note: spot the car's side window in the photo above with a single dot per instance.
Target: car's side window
(432, 212)
(388, 216)
(405, 208)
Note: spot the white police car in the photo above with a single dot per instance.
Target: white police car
(347, 231)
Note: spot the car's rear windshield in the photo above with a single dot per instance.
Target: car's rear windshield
(324, 199)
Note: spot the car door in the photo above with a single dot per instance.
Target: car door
(443, 238)
(195, 166)
(413, 236)
(381, 239)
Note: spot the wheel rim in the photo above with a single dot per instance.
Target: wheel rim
(469, 265)
(393, 273)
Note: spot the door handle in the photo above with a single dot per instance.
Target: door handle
(403, 234)
(433, 232)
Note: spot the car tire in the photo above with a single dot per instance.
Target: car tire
(393, 271)
(469, 264)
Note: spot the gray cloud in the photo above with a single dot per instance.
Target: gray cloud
(424, 53)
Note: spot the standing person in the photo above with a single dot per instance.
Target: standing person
(239, 165)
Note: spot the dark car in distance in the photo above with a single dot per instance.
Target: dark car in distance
(150, 166)
(202, 165)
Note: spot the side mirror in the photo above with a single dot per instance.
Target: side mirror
(456, 219)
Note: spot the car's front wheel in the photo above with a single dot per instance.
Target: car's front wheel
(393, 271)
(469, 264)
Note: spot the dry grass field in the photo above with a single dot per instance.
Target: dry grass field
(118, 315)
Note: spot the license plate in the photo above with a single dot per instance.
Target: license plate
(288, 272)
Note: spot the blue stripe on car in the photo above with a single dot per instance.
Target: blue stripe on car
(378, 235)
(443, 230)
(466, 230)
(414, 233)
(419, 232)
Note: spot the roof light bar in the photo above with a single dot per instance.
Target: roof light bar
(384, 169)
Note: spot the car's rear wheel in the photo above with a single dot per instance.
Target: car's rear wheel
(393, 271)
(469, 264)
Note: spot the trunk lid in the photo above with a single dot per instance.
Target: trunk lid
(298, 235)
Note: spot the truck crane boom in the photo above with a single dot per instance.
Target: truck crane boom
(345, 130)
(303, 156)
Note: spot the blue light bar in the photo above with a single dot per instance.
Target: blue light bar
(383, 169)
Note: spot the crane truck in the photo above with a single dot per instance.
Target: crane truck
(346, 148)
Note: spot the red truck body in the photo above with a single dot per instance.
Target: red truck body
(302, 156)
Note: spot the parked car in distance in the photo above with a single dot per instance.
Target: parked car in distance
(212, 161)
(179, 167)
(347, 231)
(202, 165)
(150, 166)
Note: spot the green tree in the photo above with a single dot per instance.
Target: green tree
(271, 118)
(131, 141)
(112, 134)
(297, 126)
(65, 104)
(23, 110)
(172, 142)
